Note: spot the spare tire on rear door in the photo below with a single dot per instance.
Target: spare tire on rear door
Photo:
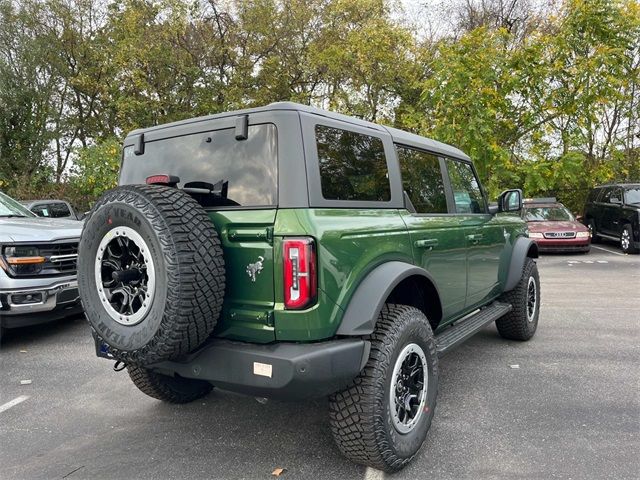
(150, 273)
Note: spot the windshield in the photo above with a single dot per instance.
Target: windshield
(10, 208)
(632, 195)
(547, 214)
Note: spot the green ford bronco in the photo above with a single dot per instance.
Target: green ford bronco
(291, 252)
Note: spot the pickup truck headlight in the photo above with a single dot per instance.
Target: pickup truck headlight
(535, 235)
(23, 260)
(583, 234)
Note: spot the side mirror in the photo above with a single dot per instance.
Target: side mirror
(510, 201)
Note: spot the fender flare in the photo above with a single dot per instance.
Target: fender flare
(366, 303)
(523, 248)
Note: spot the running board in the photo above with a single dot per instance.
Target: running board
(608, 237)
(467, 327)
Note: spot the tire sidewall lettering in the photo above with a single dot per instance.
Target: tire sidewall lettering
(107, 217)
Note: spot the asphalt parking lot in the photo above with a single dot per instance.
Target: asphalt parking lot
(570, 410)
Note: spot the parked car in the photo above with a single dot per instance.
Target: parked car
(37, 266)
(52, 209)
(553, 227)
(613, 212)
(291, 252)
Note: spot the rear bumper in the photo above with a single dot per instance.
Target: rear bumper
(289, 371)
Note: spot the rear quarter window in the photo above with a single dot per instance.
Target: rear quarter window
(353, 166)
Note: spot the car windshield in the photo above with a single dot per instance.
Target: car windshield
(10, 208)
(547, 214)
(632, 195)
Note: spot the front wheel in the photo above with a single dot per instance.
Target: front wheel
(626, 240)
(591, 225)
(522, 321)
(381, 420)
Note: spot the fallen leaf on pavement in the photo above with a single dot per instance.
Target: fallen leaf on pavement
(278, 471)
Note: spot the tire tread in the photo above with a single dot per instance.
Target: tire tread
(355, 425)
(195, 265)
(167, 389)
(515, 324)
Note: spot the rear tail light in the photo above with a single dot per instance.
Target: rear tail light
(300, 277)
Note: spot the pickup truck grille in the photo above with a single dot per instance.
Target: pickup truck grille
(60, 260)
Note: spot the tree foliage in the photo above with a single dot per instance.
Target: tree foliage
(547, 99)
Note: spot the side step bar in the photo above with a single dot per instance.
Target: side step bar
(467, 327)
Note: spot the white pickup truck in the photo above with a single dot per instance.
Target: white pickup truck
(37, 266)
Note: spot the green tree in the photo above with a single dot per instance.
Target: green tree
(94, 171)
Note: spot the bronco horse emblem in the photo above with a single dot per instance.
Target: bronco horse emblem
(254, 269)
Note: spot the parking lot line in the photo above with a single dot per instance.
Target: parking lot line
(13, 402)
(373, 474)
(607, 250)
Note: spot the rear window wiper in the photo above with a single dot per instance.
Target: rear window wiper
(220, 188)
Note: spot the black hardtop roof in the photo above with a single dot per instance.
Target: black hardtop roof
(399, 136)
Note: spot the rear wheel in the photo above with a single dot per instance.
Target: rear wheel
(168, 389)
(382, 419)
(626, 240)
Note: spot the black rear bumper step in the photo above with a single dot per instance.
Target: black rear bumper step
(465, 328)
(282, 370)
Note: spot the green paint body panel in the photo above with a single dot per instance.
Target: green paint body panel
(350, 243)
(247, 313)
(467, 256)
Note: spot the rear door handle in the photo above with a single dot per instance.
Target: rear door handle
(426, 243)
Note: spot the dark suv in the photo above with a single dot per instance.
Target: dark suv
(613, 212)
(291, 252)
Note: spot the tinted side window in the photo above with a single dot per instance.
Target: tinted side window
(422, 180)
(616, 194)
(606, 195)
(59, 210)
(249, 167)
(353, 166)
(466, 189)
(593, 195)
(41, 210)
